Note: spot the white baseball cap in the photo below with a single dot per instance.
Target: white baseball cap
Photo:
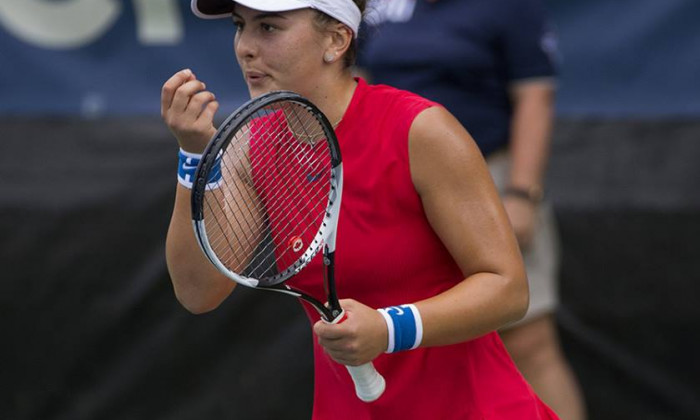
(345, 11)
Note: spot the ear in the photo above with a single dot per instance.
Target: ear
(340, 37)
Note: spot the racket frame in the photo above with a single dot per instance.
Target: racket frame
(324, 238)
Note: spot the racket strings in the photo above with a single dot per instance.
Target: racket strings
(294, 228)
(236, 233)
(275, 184)
(297, 230)
(284, 183)
(234, 172)
(251, 239)
(263, 250)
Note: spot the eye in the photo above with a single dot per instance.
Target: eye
(267, 27)
(238, 24)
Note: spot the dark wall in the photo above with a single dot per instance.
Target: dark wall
(91, 328)
(629, 218)
(623, 178)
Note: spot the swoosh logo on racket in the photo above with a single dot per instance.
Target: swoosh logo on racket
(312, 177)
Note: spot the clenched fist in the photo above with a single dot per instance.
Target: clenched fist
(188, 110)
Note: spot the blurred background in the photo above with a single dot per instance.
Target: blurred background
(90, 325)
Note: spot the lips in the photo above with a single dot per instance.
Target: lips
(254, 76)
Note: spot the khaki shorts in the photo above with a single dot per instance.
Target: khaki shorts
(542, 257)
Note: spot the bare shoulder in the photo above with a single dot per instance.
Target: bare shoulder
(442, 151)
(458, 195)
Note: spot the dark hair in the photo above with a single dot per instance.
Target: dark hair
(323, 19)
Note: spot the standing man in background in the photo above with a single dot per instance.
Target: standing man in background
(490, 63)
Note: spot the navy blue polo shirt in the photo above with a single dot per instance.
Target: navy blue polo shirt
(463, 54)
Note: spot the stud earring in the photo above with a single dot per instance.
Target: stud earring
(328, 57)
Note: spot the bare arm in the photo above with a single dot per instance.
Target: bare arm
(530, 131)
(529, 151)
(463, 207)
(198, 285)
(188, 111)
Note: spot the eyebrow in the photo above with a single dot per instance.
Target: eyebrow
(263, 15)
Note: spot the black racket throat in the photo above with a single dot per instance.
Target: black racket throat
(329, 284)
(329, 311)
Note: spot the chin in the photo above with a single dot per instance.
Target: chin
(254, 93)
(261, 88)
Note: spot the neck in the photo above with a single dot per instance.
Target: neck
(334, 96)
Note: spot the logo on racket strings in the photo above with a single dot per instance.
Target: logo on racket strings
(296, 243)
(313, 177)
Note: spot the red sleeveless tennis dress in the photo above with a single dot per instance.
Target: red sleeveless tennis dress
(387, 254)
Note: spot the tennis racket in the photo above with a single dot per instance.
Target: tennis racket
(266, 200)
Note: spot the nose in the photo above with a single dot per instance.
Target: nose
(243, 45)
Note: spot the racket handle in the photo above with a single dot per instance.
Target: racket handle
(369, 384)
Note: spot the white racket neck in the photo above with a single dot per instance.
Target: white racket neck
(334, 200)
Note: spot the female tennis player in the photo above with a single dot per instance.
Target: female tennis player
(425, 256)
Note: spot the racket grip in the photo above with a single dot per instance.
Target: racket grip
(369, 384)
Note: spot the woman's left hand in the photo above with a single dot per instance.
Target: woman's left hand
(359, 339)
